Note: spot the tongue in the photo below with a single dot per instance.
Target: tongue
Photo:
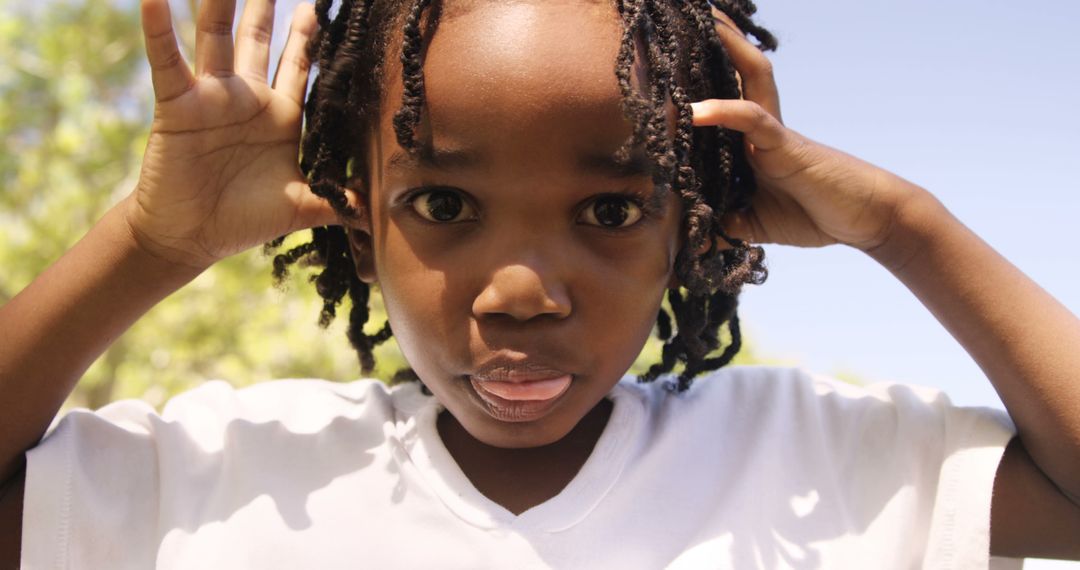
(534, 390)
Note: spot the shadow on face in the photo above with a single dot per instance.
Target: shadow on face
(515, 233)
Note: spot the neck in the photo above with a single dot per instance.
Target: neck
(521, 478)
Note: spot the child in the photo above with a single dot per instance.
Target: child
(524, 211)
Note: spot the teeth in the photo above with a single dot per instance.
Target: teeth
(534, 390)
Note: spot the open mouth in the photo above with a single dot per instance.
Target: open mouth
(521, 401)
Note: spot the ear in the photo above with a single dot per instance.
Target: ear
(362, 253)
(673, 255)
(358, 231)
(674, 283)
(673, 279)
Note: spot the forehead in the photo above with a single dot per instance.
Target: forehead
(555, 47)
(520, 66)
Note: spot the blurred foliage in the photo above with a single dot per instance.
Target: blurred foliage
(75, 108)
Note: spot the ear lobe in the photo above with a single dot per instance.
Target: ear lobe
(674, 283)
(363, 254)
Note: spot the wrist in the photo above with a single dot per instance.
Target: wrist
(145, 251)
(135, 253)
(912, 228)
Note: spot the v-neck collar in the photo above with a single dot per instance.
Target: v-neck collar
(416, 416)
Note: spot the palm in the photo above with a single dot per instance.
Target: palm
(226, 150)
(220, 172)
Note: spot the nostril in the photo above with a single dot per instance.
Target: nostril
(522, 293)
(520, 307)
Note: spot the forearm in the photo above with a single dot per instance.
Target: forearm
(1026, 342)
(54, 329)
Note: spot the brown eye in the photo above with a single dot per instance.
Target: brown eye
(443, 206)
(612, 212)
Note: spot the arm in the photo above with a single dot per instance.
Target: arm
(1024, 340)
(219, 176)
(55, 328)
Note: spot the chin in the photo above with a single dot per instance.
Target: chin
(520, 435)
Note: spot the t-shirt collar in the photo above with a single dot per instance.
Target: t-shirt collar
(416, 414)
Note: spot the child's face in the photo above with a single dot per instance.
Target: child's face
(523, 99)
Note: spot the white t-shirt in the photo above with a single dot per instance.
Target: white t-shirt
(752, 467)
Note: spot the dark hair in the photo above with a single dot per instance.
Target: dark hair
(706, 167)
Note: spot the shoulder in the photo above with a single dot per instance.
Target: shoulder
(781, 387)
(214, 425)
(764, 397)
(209, 450)
(792, 386)
(909, 470)
(214, 407)
(300, 404)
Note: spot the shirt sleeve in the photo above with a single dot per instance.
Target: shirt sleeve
(975, 440)
(104, 489)
(91, 491)
(951, 453)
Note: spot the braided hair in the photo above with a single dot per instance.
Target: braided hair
(705, 167)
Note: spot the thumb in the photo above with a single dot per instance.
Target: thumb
(313, 211)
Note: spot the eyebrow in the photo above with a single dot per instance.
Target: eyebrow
(613, 166)
(431, 158)
(428, 157)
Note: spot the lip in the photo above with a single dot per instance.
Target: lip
(514, 377)
(507, 368)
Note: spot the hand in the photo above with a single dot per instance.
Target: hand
(221, 172)
(808, 194)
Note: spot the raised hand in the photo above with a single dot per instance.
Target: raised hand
(808, 194)
(221, 174)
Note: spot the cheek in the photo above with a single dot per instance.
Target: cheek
(417, 297)
(634, 270)
(622, 293)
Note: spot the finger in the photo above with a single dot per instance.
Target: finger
(169, 72)
(762, 129)
(756, 71)
(253, 39)
(294, 66)
(213, 37)
(311, 210)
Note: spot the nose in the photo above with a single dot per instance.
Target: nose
(523, 291)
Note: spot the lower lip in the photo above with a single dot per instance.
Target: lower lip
(523, 401)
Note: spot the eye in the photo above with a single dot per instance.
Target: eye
(612, 212)
(441, 206)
